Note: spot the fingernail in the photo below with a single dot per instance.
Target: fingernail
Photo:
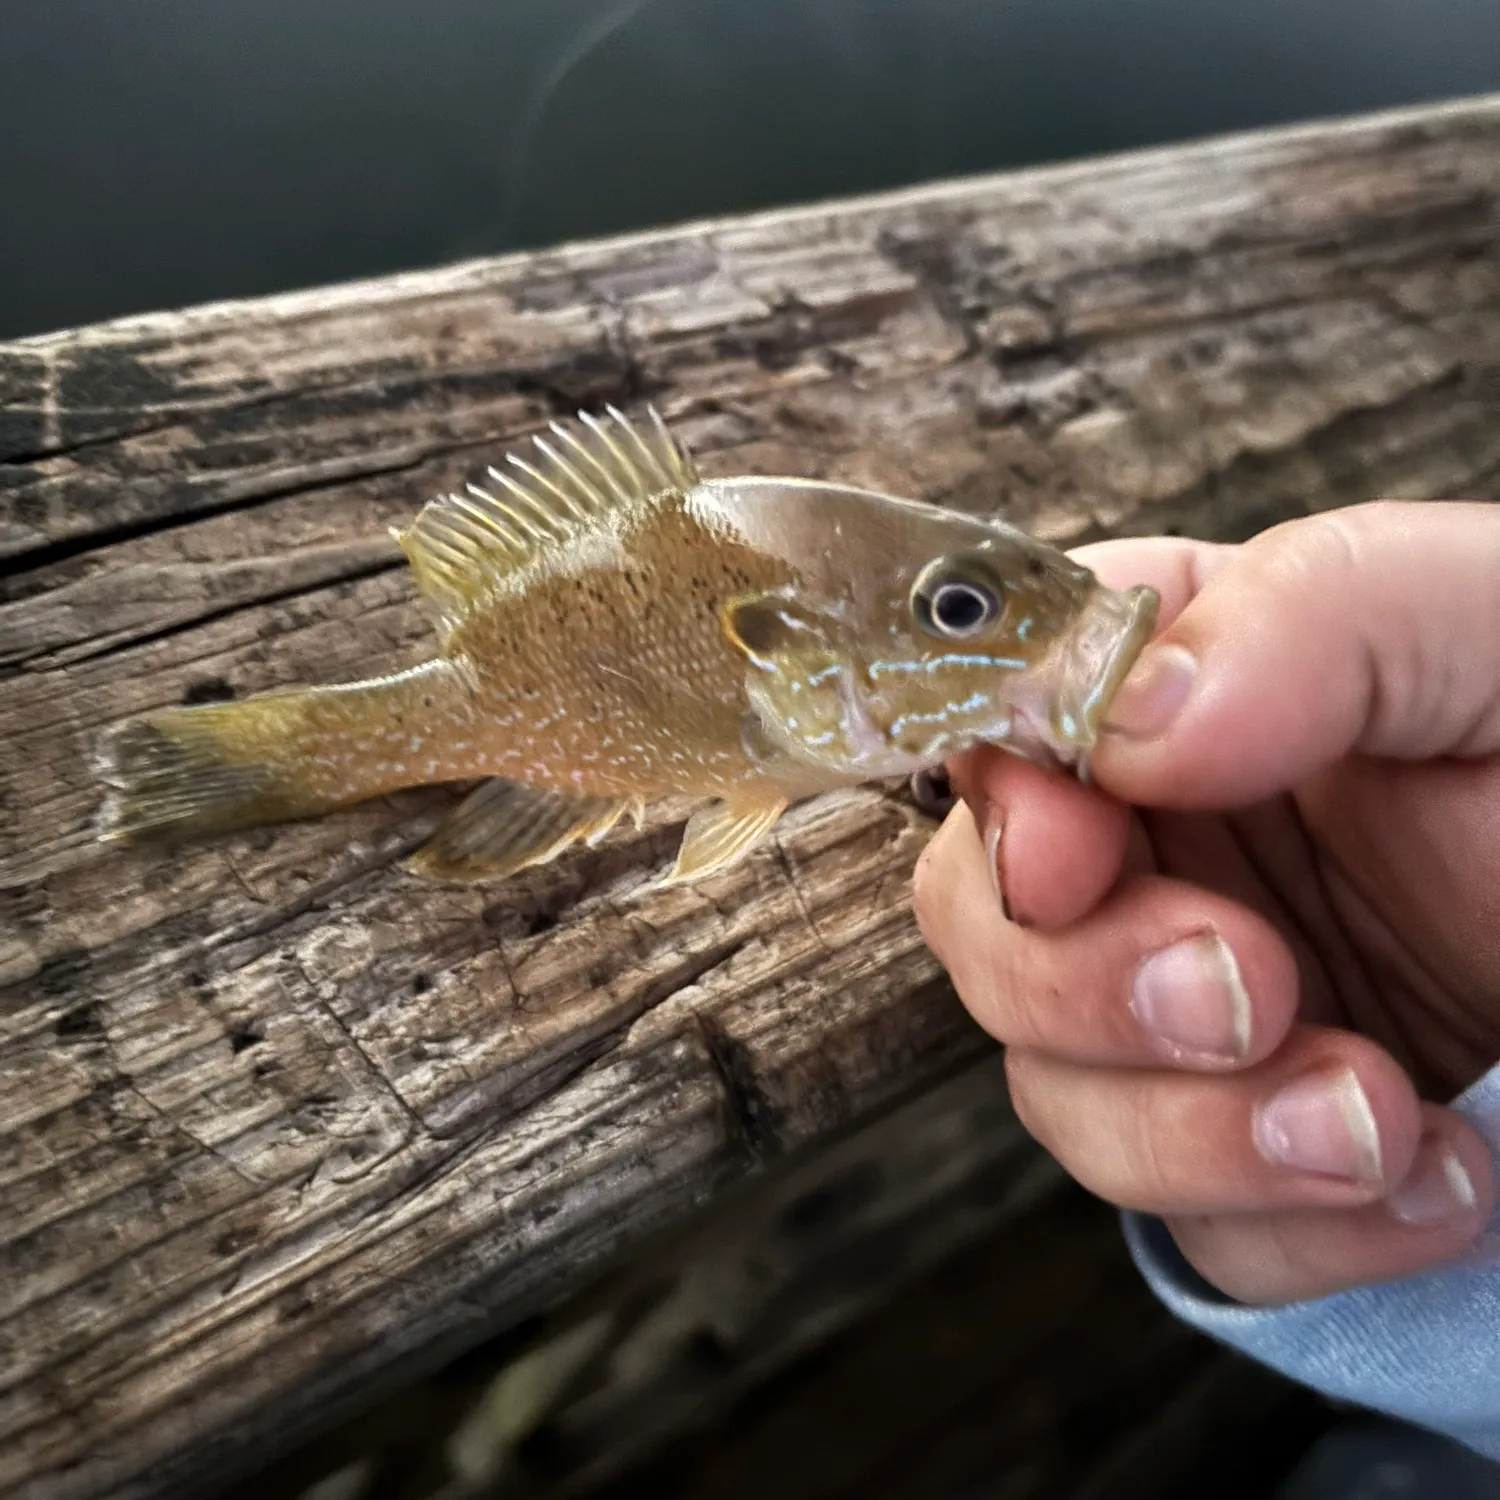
(1191, 997)
(1438, 1188)
(1323, 1124)
(1153, 693)
(992, 859)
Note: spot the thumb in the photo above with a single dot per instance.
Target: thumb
(1373, 629)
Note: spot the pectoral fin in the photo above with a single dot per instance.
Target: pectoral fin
(719, 835)
(501, 827)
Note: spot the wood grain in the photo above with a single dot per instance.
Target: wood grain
(923, 1306)
(277, 1122)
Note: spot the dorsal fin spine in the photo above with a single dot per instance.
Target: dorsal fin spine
(507, 521)
(610, 477)
(582, 480)
(456, 533)
(538, 478)
(451, 555)
(495, 519)
(515, 517)
(648, 456)
(547, 520)
(681, 469)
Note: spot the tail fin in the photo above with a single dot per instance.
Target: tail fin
(190, 771)
(282, 756)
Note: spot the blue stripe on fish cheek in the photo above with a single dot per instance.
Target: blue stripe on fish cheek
(949, 661)
(941, 717)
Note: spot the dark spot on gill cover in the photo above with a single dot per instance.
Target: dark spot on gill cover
(758, 624)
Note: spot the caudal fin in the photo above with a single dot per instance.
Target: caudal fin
(190, 771)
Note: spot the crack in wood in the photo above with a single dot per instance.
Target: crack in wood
(752, 1115)
(145, 638)
(332, 472)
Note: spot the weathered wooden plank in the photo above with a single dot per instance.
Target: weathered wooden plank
(773, 1267)
(276, 1120)
(924, 1306)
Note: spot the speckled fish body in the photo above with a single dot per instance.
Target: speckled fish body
(616, 630)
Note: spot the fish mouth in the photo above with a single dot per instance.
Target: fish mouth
(1099, 654)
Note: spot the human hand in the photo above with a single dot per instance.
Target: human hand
(1230, 975)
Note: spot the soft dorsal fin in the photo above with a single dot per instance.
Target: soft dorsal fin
(460, 545)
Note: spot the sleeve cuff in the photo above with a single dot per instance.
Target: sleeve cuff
(1425, 1349)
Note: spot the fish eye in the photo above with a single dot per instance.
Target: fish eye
(954, 604)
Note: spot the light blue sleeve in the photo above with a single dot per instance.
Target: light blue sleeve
(1425, 1349)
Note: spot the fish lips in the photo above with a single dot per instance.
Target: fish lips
(1098, 655)
(1058, 711)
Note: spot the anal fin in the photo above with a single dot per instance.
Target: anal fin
(502, 827)
(721, 834)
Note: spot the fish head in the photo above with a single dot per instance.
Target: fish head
(915, 633)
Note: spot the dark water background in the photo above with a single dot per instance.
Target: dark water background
(155, 153)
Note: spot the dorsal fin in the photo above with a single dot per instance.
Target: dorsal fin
(460, 545)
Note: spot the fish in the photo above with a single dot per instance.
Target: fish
(615, 631)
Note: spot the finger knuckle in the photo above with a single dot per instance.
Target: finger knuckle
(1313, 558)
(1327, 561)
